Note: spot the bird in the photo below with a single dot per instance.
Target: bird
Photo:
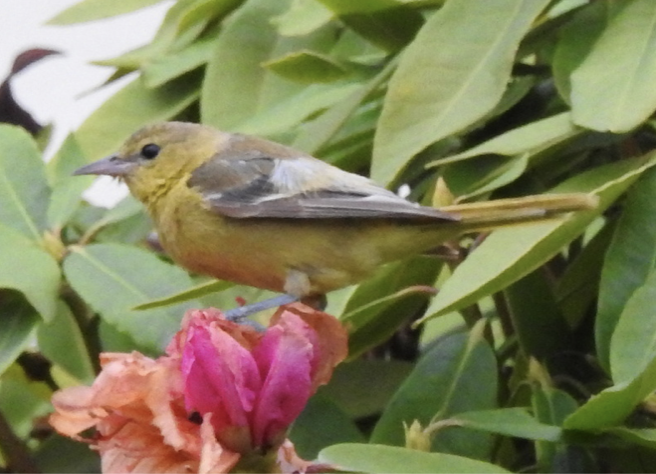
(258, 213)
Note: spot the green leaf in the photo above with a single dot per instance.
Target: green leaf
(307, 67)
(60, 454)
(417, 111)
(633, 344)
(516, 422)
(67, 189)
(289, 113)
(611, 406)
(350, 385)
(197, 291)
(322, 423)
(378, 458)
(612, 89)
(578, 288)
(380, 305)
(62, 342)
(511, 253)
(128, 207)
(91, 10)
(29, 269)
(529, 139)
(630, 258)
(471, 178)
(183, 23)
(24, 190)
(551, 406)
(575, 40)
(302, 18)
(129, 109)
(234, 77)
(640, 436)
(540, 327)
(389, 24)
(459, 364)
(19, 320)
(320, 131)
(165, 68)
(114, 278)
(22, 400)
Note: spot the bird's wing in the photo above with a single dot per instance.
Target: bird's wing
(254, 178)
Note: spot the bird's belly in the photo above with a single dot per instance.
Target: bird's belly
(262, 253)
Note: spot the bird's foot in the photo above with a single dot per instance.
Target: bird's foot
(238, 315)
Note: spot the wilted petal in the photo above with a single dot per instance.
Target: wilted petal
(137, 407)
(291, 463)
(328, 337)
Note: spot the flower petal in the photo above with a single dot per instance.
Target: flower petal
(220, 377)
(284, 357)
(329, 340)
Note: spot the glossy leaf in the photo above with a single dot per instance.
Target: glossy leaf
(528, 139)
(630, 258)
(473, 37)
(516, 422)
(612, 89)
(388, 24)
(67, 189)
(19, 321)
(481, 175)
(165, 68)
(24, 190)
(633, 344)
(114, 278)
(127, 208)
(350, 386)
(575, 41)
(288, 114)
(322, 423)
(91, 10)
(234, 78)
(460, 364)
(578, 288)
(197, 291)
(551, 406)
(128, 110)
(62, 342)
(307, 67)
(611, 406)
(541, 329)
(378, 458)
(320, 131)
(28, 268)
(302, 18)
(379, 306)
(509, 254)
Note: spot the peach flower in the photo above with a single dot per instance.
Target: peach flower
(221, 399)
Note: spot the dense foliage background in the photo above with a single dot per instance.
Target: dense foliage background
(537, 354)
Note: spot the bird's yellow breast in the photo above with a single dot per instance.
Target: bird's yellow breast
(262, 252)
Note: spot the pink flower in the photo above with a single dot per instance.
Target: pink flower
(256, 384)
(223, 396)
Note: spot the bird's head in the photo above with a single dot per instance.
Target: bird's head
(159, 155)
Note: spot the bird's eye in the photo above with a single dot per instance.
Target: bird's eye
(150, 151)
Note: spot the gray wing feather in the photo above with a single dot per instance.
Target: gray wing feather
(248, 183)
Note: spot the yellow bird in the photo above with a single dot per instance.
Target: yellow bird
(258, 213)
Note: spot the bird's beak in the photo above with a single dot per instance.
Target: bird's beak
(111, 166)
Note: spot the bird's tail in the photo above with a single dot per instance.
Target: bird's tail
(482, 216)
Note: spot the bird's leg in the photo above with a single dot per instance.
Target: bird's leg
(238, 314)
(296, 283)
